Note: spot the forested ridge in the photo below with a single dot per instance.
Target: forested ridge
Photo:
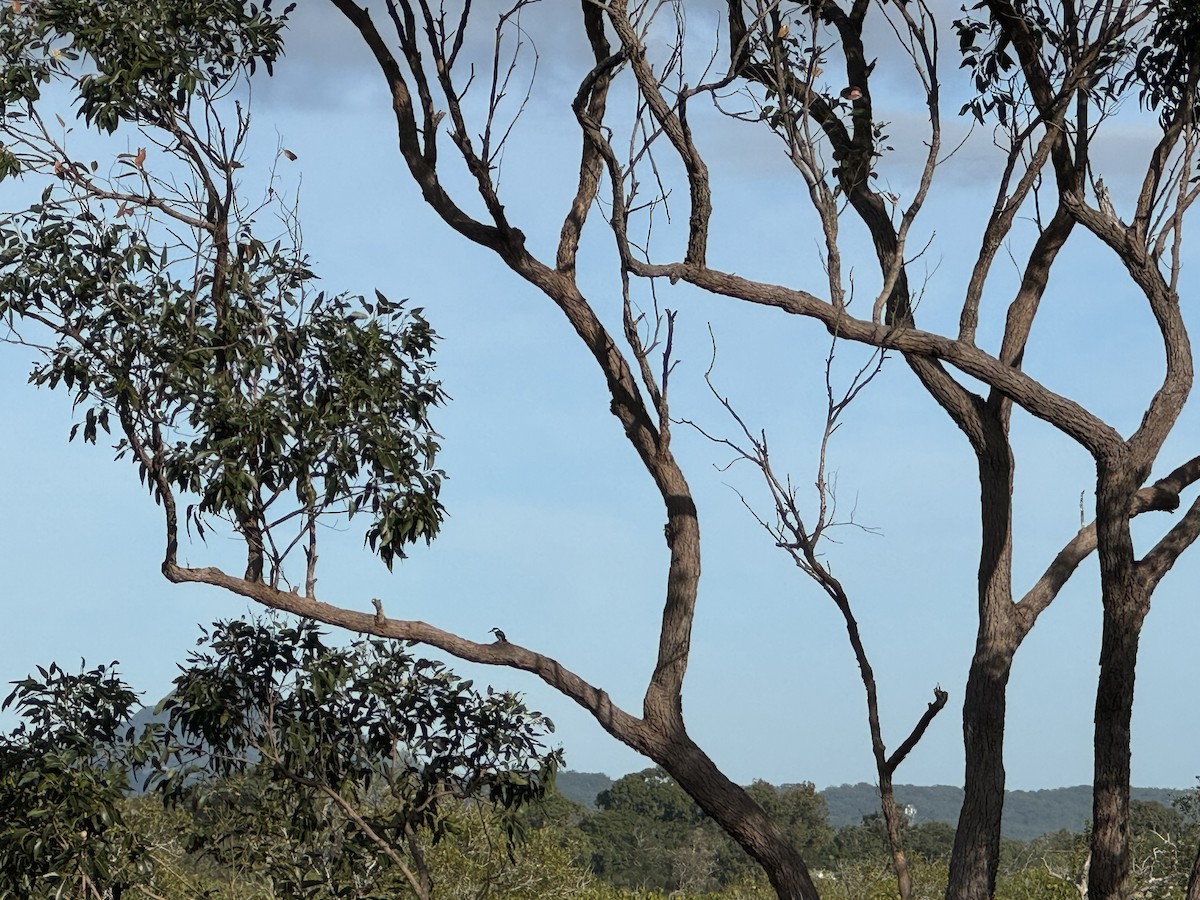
(1027, 814)
(236, 786)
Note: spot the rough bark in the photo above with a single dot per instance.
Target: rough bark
(640, 406)
(976, 854)
(1193, 885)
(1110, 799)
(740, 817)
(891, 819)
(1125, 608)
(976, 850)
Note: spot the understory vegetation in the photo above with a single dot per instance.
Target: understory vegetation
(620, 852)
(626, 851)
(281, 767)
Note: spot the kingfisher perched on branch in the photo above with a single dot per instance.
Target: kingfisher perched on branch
(500, 638)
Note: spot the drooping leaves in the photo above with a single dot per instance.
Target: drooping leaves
(290, 759)
(238, 393)
(1152, 47)
(261, 400)
(141, 58)
(275, 711)
(63, 773)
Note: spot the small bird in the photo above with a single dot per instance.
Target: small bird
(499, 636)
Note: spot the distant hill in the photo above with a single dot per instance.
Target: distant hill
(582, 787)
(1027, 814)
(146, 716)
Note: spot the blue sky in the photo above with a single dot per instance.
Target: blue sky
(555, 531)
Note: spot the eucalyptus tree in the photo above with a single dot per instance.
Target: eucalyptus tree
(1046, 80)
(292, 766)
(338, 768)
(64, 771)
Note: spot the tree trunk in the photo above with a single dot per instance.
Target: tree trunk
(891, 819)
(1110, 801)
(1193, 886)
(738, 815)
(976, 855)
(1125, 606)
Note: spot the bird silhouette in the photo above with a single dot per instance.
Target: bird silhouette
(499, 636)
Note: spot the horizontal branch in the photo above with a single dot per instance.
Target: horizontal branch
(1094, 434)
(1162, 556)
(623, 726)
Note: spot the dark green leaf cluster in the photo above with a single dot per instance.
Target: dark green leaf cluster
(987, 53)
(267, 404)
(240, 396)
(143, 58)
(1168, 64)
(63, 774)
(307, 769)
(313, 730)
(28, 59)
(1061, 37)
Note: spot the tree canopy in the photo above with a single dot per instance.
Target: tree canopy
(171, 314)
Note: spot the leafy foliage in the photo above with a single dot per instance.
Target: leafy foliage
(244, 401)
(63, 773)
(238, 393)
(310, 770)
(649, 834)
(987, 54)
(242, 826)
(1166, 67)
(350, 752)
(1158, 60)
(148, 58)
(800, 811)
